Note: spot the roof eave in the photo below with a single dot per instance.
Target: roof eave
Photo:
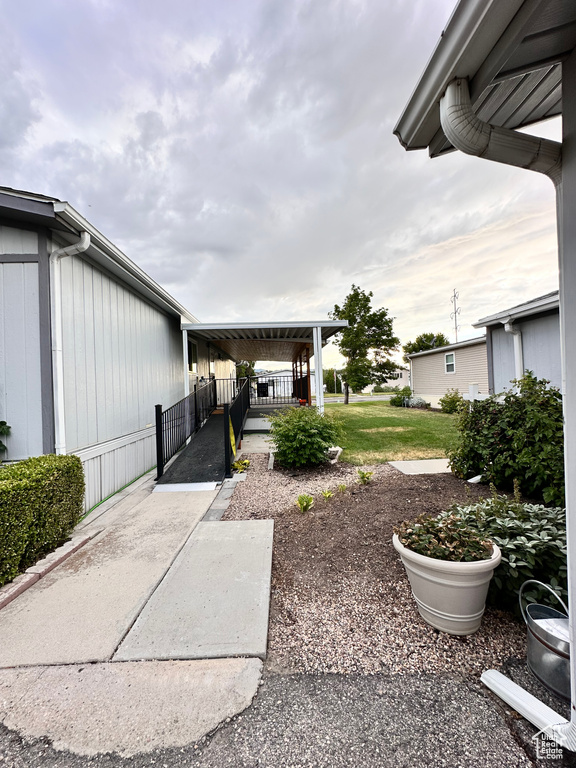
(474, 27)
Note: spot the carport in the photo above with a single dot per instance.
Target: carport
(293, 342)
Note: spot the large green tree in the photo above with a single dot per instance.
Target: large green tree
(245, 368)
(423, 342)
(366, 343)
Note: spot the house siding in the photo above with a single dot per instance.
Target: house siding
(540, 347)
(430, 380)
(20, 369)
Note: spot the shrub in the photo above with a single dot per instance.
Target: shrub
(398, 400)
(40, 503)
(445, 537)
(364, 477)
(532, 539)
(418, 402)
(4, 432)
(304, 502)
(517, 436)
(452, 401)
(302, 436)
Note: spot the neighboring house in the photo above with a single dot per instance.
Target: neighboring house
(89, 344)
(524, 338)
(455, 366)
(400, 378)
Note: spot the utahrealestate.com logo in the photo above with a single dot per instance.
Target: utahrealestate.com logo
(548, 745)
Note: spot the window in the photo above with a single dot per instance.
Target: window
(450, 362)
(192, 357)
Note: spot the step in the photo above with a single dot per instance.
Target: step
(214, 602)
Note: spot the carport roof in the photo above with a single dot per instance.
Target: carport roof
(264, 341)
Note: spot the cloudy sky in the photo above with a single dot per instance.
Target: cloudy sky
(241, 152)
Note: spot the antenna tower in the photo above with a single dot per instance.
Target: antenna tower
(454, 314)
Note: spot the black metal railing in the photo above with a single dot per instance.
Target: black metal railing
(179, 422)
(234, 420)
(278, 390)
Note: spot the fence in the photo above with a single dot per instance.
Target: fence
(277, 390)
(234, 420)
(176, 424)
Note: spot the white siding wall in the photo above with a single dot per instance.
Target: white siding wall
(541, 348)
(18, 241)
(121, 357)
(430, 380)
(20, 385)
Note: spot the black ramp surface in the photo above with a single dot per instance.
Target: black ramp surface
(202, 461)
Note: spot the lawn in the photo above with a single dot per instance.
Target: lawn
(377, 432)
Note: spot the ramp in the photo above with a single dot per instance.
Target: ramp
(202, 461)
(214, 601)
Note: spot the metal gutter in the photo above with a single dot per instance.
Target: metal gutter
(450, 347)
(534, 307)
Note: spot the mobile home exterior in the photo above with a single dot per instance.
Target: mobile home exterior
(455, 366)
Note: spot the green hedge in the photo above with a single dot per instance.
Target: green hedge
(41, 500)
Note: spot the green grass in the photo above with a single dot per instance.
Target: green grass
(377, 432)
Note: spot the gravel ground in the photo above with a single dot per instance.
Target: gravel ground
(341, 601)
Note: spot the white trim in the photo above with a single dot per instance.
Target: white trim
(448, 347)
(93, 451)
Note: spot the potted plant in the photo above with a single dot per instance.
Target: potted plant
(449, 566)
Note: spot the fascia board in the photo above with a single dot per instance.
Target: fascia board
(121, 264)
(472, 31)
(450, 347)
(515, 313)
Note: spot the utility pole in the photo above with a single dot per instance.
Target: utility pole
(456, 312)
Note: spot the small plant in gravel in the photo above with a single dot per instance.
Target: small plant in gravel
(342, 488)
(446, 537)
(305, 502)
(241, 465)
(302, 436)
(364, 477)
(327, 494)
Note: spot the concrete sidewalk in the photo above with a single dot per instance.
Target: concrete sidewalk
(144, 559)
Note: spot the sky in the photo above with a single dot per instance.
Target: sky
(241, 152)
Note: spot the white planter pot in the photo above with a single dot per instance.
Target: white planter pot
(450, 596)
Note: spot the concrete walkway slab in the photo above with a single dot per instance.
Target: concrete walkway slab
(255, 443)
(214, 601)
(185, 487)
(126, 708)
(81, 610)
(257, 425)
(422, 467)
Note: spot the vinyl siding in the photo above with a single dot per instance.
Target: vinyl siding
(18, 241)
(20, 379)
(121, 357)
(430, 380)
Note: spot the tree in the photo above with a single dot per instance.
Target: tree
(366, 343)
(332, 381)
(423, 342)
(245, 368)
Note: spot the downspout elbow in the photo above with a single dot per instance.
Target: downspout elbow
(468, 133)
(57, 337)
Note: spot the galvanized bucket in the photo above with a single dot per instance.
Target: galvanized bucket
(548, 643)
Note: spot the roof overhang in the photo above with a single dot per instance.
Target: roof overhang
(264, 341)
(547, 303)
(510, 52)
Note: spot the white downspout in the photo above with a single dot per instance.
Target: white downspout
(57, 336)
(474, 137)
(465, 131)
(518, 351)
(318, 374)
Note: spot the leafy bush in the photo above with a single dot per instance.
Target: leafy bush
(452, 401)
(418, 402)
(445, 537)
(398, 400)
(519, 436)
(532, 539)
(40, 503)
(302, 436)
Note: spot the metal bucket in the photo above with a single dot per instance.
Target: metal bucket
(548, 643)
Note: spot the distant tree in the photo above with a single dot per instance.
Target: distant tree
(245, 368)
(423, 342)
(331, 376)
(366, 343)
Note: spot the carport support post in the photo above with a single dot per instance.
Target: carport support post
(318, 375)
